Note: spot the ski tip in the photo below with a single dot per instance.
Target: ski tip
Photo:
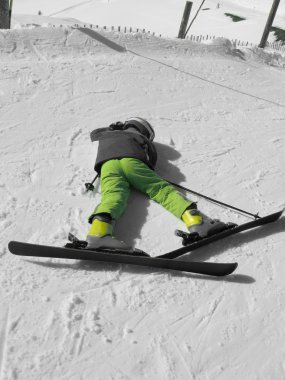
(11, 246)
(230, 269)
(234, 267)
(15, 247)
(279, 213)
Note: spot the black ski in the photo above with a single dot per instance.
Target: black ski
(164, 261)
(231, 231)
(211, 269)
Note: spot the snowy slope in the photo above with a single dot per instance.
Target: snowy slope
(218, 114)
(164, 16)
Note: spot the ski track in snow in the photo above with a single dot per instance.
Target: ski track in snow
(64, 319)
(4, 320)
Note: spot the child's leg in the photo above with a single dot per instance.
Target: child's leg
(115, 190)
(147, 181)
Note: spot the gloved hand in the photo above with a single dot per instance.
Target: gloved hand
(118, 126)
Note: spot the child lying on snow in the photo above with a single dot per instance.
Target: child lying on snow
(126, 158)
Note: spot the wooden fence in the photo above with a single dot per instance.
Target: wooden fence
(275, 45)
(118, 29)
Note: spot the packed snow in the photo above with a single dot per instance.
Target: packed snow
(218, 112)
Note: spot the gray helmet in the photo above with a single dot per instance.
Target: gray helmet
(141, 125)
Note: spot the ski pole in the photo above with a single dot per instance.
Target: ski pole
(256, 216)
(89, 186)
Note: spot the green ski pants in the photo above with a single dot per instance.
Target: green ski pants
(119, 175)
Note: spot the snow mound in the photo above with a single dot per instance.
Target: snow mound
(46, 42)
(221, 41)
(267, 56)
(20, 21)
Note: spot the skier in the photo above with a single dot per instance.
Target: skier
(126, 158)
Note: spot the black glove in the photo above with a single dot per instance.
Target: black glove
(118, 126)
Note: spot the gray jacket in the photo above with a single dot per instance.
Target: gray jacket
(122, 144)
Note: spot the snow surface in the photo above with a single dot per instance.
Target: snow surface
(219, 114)
(164, 16)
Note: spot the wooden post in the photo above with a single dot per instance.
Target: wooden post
(10, 12)
(203, 1)
(185, 19)
(4, 14)
(269, 23)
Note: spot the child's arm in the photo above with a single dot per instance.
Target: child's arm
(152, 154)
(102, 133)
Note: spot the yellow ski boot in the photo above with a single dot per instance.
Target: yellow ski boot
(201, 225)
(100, 235)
